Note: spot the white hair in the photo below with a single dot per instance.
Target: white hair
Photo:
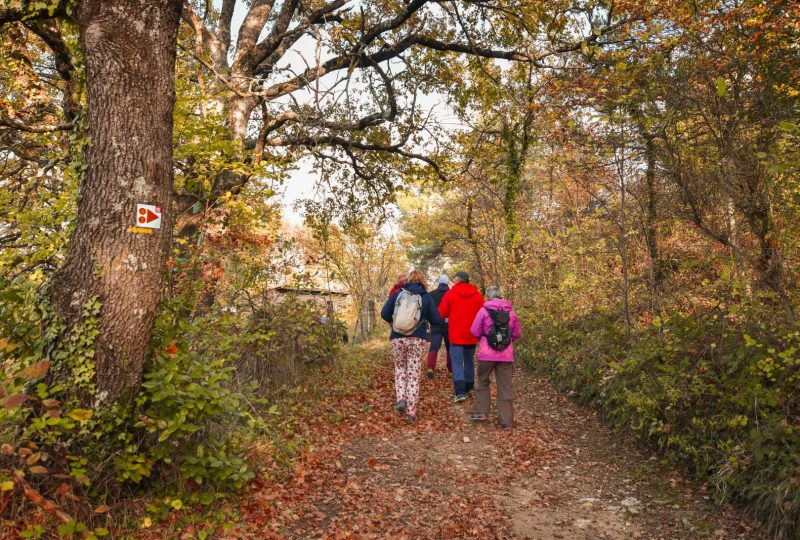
(493, 291)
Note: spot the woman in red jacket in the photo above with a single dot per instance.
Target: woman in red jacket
(460, 305)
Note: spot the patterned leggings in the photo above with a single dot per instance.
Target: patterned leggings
(407, 355)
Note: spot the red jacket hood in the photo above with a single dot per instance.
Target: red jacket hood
(465, 290)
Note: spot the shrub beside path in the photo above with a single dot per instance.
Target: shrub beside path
(559, 474)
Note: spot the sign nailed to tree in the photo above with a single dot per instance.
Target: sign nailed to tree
(148, 216)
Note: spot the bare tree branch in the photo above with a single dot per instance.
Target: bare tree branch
(216, 48)
(333, 140)
(225, 17)
(269, 51)
(251, 28)
(13, 124)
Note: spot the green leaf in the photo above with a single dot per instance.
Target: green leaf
(722, 86)
(81, 415)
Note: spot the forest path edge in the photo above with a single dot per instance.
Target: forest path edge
(559, 474)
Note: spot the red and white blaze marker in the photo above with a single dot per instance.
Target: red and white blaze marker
(148, 216)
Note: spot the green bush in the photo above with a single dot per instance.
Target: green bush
(709, 396)
(288, 339)
(190, 427)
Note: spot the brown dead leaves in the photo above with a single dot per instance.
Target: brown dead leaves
(371, 475)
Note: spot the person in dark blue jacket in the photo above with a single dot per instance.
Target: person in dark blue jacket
(439, 333)
(408, 350)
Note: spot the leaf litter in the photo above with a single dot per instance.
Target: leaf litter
(558, 474)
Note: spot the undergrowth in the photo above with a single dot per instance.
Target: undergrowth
(204, 424)
(717, 397)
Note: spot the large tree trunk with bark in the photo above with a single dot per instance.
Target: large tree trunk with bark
(129, 50)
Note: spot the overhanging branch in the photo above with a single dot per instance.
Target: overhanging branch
(29, 13)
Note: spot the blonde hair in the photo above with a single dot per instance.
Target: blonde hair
(415, 276)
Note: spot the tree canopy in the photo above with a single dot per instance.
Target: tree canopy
(626, 172)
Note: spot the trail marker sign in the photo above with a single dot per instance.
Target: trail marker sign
(148, 216)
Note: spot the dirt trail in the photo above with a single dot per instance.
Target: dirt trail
(558, 474)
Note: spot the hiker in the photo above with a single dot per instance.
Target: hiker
(409, 311)
(459, 306)
(497, 327)
(401, 280)
(439, 332)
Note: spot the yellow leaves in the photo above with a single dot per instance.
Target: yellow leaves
(722, 86)
(6, 345)
(177, 504)
(81, 415)
(146, 523)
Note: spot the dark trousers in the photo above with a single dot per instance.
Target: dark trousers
(438, 335)
(503, 375)
(462, 357)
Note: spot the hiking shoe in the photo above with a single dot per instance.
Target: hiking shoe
(505, 428)
(478, 417)
(459, 398)
(430, 374)
(411, 419)
(400, 406)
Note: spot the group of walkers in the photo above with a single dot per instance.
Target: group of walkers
(468, 325)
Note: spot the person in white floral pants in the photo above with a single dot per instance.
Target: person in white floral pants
(407, 353)
(407, 350)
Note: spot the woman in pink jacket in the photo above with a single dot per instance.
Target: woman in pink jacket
(496, 326)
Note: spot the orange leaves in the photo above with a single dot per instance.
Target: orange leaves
(36, 370)
(299, 474)
(32, 372)
(368, 475)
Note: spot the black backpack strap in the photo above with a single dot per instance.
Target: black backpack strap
(493, 315)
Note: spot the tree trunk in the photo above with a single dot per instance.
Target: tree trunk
(623, 232)
(473, 242)
(129, 50)
(372, 315)
(651, 215)
(655, 267)
(516, 147)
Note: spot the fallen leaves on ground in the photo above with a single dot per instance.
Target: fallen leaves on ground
(371, 475)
